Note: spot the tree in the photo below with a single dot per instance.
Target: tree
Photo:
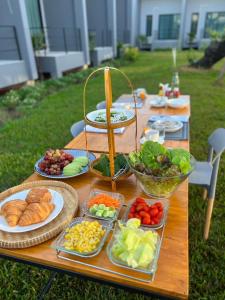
(213, 53)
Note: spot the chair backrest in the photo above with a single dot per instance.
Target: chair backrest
(77, 128)
(101, 105)
(216, 146)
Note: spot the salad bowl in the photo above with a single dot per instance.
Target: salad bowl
(159, 170)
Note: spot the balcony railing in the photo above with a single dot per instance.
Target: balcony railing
(100, 38)
(9, 44)
(124, 36)
(56, 38)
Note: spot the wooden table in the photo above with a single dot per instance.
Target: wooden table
(172, 276)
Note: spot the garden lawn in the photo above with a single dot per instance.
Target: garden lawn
(24, 140)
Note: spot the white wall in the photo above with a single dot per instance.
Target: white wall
(158, 7)
(202, 7)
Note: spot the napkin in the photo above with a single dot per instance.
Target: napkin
(100, 130)
(181, 118)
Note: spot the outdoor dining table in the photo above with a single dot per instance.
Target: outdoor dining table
(172, 275)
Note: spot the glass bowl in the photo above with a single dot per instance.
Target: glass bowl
(150, 269)
(58, 244)
(165, 205)
(95, 192)
(159, 186)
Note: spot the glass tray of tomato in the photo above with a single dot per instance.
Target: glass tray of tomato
(152, 213)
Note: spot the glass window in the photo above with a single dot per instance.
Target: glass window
(149, 26)
(215, 21)
(169, 26)
(194, 23)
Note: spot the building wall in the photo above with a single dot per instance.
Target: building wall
(158, 7)
(66, 23)
(202, 7)
(13, 13)
(97, 15)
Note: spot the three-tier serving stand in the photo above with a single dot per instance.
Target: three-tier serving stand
(108, 125)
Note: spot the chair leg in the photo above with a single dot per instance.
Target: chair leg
(208, 218)
(205, 193)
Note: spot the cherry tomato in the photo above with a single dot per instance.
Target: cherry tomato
(130, 216)
(132, 209)
(154, 211)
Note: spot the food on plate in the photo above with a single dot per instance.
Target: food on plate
(134, 246)
(103, 205)
(38, 195)
(103, 164)
(54, 161)
(104, 199)
(34, 209)
(84, 237)
(160, 170)
(75, 166)
(12, 211)
(57, 162)
(35, 213)
(115, 116)
(148, 214)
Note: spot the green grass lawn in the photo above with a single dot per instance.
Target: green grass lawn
(24, 140)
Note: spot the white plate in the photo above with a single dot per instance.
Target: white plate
(92, 115)
(169, 125)
(57, 199)
(158, 101)
(143, 140)
(177, 102)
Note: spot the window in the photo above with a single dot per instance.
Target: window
(194, 23)
(169, 26)
(215, 21)
(149, 26)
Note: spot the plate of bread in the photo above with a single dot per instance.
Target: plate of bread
(30, 209)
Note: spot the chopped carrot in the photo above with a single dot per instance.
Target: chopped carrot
(104, 199)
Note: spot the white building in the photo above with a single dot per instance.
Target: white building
(167, 23)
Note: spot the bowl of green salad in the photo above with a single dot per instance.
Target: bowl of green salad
(160, 170)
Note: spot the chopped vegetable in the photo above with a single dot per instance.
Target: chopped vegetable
(134, 246)
(104, 199)
(84, 237)
(101, 210)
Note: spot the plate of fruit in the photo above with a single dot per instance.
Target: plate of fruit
(61, 164)
(151, 213)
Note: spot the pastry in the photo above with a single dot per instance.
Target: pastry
(38, 195)
(13, 210)
(36, 213)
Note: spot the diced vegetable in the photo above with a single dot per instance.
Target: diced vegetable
(84, 237)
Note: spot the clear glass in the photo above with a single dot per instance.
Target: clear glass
(151, 267)
(165, 205)
(95, 192)
(59, 242)
(160, 187)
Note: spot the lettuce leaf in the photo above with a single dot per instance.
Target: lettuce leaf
(149, 153)
(180, 158)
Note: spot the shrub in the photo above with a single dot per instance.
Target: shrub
(29, 102)
(11, 100)
(131, 54)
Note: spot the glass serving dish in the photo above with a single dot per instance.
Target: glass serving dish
(93, 193)
(150, 269)
(58, 244)
(162, 222)
(160, 186)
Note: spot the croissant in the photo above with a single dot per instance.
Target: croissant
(36, 213)
(38, 195)
(13, 210)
